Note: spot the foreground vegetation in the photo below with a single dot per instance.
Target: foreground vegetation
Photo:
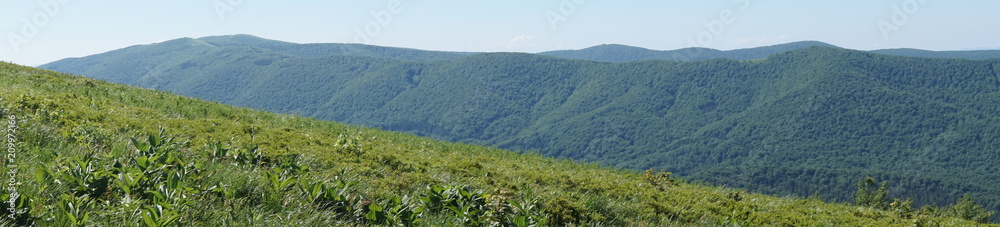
(92, 153)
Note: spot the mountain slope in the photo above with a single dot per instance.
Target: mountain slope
(186, 53)
(801, 122)
(74, 133)
(969, 54)
(330, 49)
(622, 53)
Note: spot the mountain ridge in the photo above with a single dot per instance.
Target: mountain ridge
(624, 53)
(602, 52)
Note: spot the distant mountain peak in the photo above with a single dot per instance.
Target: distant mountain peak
(615, 45)
(241, 39)
(625, 53)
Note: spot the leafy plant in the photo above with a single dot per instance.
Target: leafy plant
(967, 208)
(659, 180)
(279, 182)
(337, 197)
(248, 156)
(157, 215)
(20, 213)
(76, 208)
(870, 195)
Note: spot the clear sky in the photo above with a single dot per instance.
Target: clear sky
(40, 31)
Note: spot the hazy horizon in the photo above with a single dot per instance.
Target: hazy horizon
(43, 31)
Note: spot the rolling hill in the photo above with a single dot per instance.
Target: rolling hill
(88, 152)
(809, 121)
(622, 53)
(969, 54)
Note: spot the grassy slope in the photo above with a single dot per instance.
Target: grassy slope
(64, 116)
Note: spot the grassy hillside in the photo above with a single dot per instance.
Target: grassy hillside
(93, 153)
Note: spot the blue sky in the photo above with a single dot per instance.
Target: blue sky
(41, 31)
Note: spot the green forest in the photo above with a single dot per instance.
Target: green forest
(622, 53)
(88, 152)
(800, 121)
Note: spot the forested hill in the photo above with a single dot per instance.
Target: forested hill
(968, 54)
(622, 53)
(155, 58)
(323, 49)
(803, 122)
